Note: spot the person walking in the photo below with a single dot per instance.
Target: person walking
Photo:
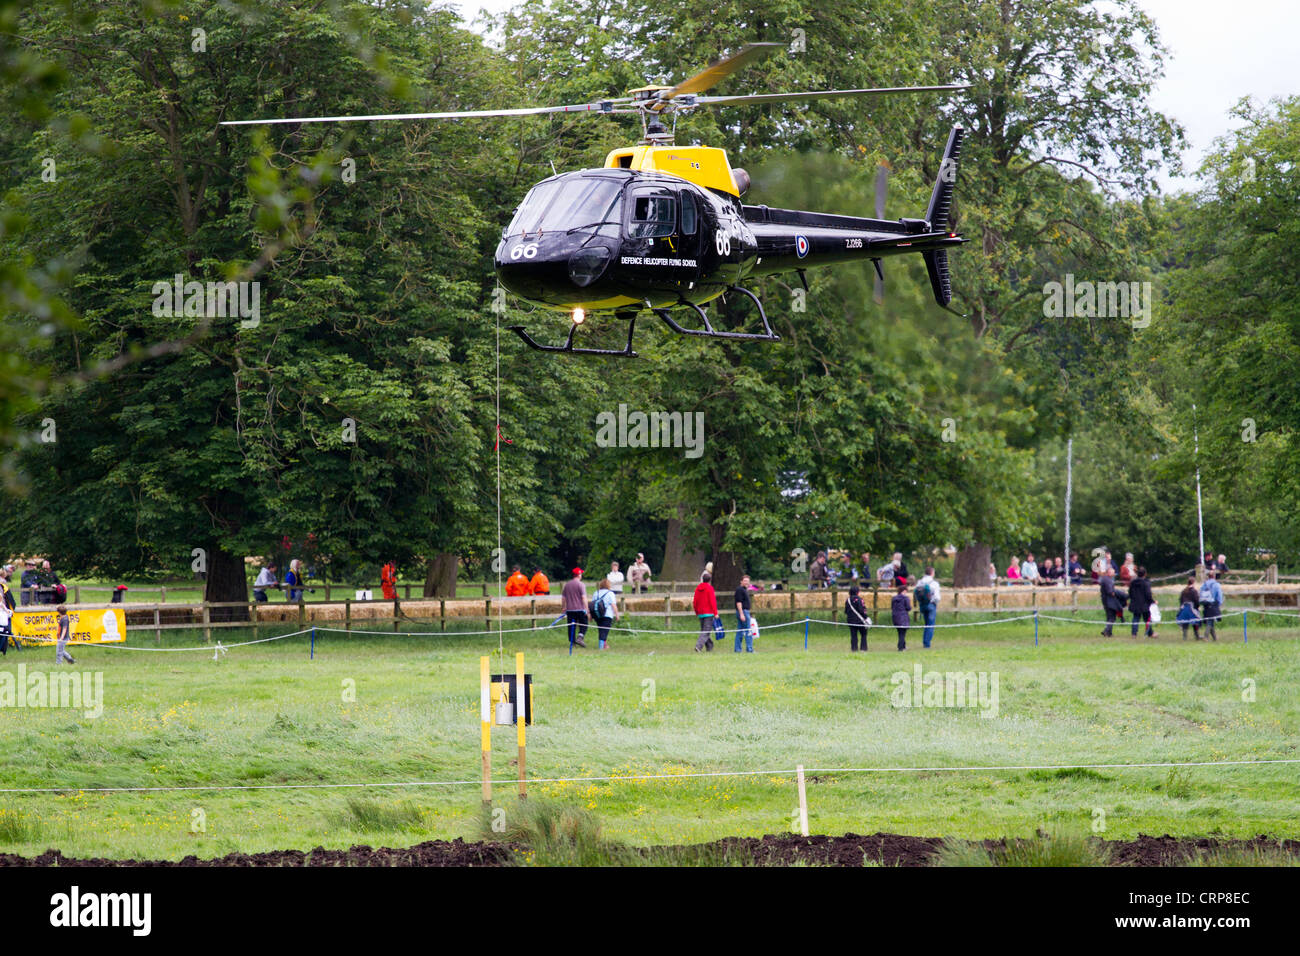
(1110, 602)
(293, 582)
(855, 612)
(899, 609)
(1211, 603)
(605, 604)
(927, 599)
(573, 599)
(744, 620)
(1187, 615)
(65, 632)
(705, 604)
(1140, 600)
(265, 579)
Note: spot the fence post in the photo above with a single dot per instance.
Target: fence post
(532, 605)
(163, 591)
(834, 604)
(956, 602)
(157, 623)
(1245, 638)
(327, 592)
(996, 605)
(207, 624)
(1035, 627)
(668, 611)
(302, 612)
(791, 607)
(485, 594)
(76, 594)
(347, 614)
(1074, 602)
(442, 614)
(805, 633)
(397, 613)
(408, 590)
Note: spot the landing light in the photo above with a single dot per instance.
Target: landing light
(578, 316)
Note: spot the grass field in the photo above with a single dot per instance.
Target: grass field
(267, 714)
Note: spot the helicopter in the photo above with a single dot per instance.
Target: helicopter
(661, 227)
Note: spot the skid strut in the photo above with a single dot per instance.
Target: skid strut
(626, 352)
(568, 346)
(710, 332)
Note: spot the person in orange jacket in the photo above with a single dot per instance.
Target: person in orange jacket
(541, 584)
(388, 581)
(517, 585)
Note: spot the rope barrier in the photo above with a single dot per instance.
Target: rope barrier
(662, 776)
(561, 624)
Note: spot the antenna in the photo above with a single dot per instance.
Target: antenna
(553, 172)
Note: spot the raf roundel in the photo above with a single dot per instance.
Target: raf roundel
(801, 245)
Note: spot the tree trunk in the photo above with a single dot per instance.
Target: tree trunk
(226, 581)
(680, 564)
(971, 569)
(440, 582)
(727, 566)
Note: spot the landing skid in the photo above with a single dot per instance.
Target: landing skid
(626, 352)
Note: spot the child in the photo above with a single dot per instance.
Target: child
(1187, 613)
(65, 630)
(900, 607)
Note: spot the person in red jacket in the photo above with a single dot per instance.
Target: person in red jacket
(388, 581)
(706, 609)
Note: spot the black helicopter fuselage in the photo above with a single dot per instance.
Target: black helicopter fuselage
(623, 240)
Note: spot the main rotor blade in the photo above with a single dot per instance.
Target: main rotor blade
(820, 94)
(715, 73)
(606, 106)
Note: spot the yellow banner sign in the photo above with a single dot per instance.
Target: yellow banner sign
(97, 626)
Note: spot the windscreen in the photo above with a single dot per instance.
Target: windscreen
(568, 203)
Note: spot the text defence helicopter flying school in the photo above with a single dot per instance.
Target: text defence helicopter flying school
(662, 227)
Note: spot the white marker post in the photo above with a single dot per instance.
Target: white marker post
(803, 802)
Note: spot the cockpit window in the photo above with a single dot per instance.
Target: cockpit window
(568, 203)
(653, 214)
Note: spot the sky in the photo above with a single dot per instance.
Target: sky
(1218, 53)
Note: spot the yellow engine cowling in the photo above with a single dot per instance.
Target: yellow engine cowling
(705, 166)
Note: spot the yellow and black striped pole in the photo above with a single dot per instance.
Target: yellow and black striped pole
(485, 715)
(521, 718)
